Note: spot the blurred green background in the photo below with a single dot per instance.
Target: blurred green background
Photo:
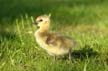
(83, 11)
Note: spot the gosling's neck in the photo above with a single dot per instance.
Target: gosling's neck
(43, 29)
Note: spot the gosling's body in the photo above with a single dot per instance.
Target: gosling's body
(55, 44)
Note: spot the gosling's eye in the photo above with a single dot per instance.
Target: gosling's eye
(40, 20)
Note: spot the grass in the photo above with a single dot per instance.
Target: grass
(84, 20)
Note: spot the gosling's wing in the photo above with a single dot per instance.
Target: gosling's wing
(70, 41)
(52, 39)
(58, 40)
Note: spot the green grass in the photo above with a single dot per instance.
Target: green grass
(84, 20)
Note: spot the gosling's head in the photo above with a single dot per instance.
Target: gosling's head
(43, 21)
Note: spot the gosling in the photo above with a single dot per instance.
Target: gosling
(53, 43)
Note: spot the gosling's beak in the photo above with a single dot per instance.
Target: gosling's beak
(35, 23)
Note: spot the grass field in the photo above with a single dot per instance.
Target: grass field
(84, 20)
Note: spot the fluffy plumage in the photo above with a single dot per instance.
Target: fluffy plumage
(55, 44)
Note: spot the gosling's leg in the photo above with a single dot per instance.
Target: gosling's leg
(54, 58)
(70, 57)
(70, 54)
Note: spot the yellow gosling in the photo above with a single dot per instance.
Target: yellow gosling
(54, 44)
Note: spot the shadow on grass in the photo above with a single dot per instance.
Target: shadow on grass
(84, 53)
